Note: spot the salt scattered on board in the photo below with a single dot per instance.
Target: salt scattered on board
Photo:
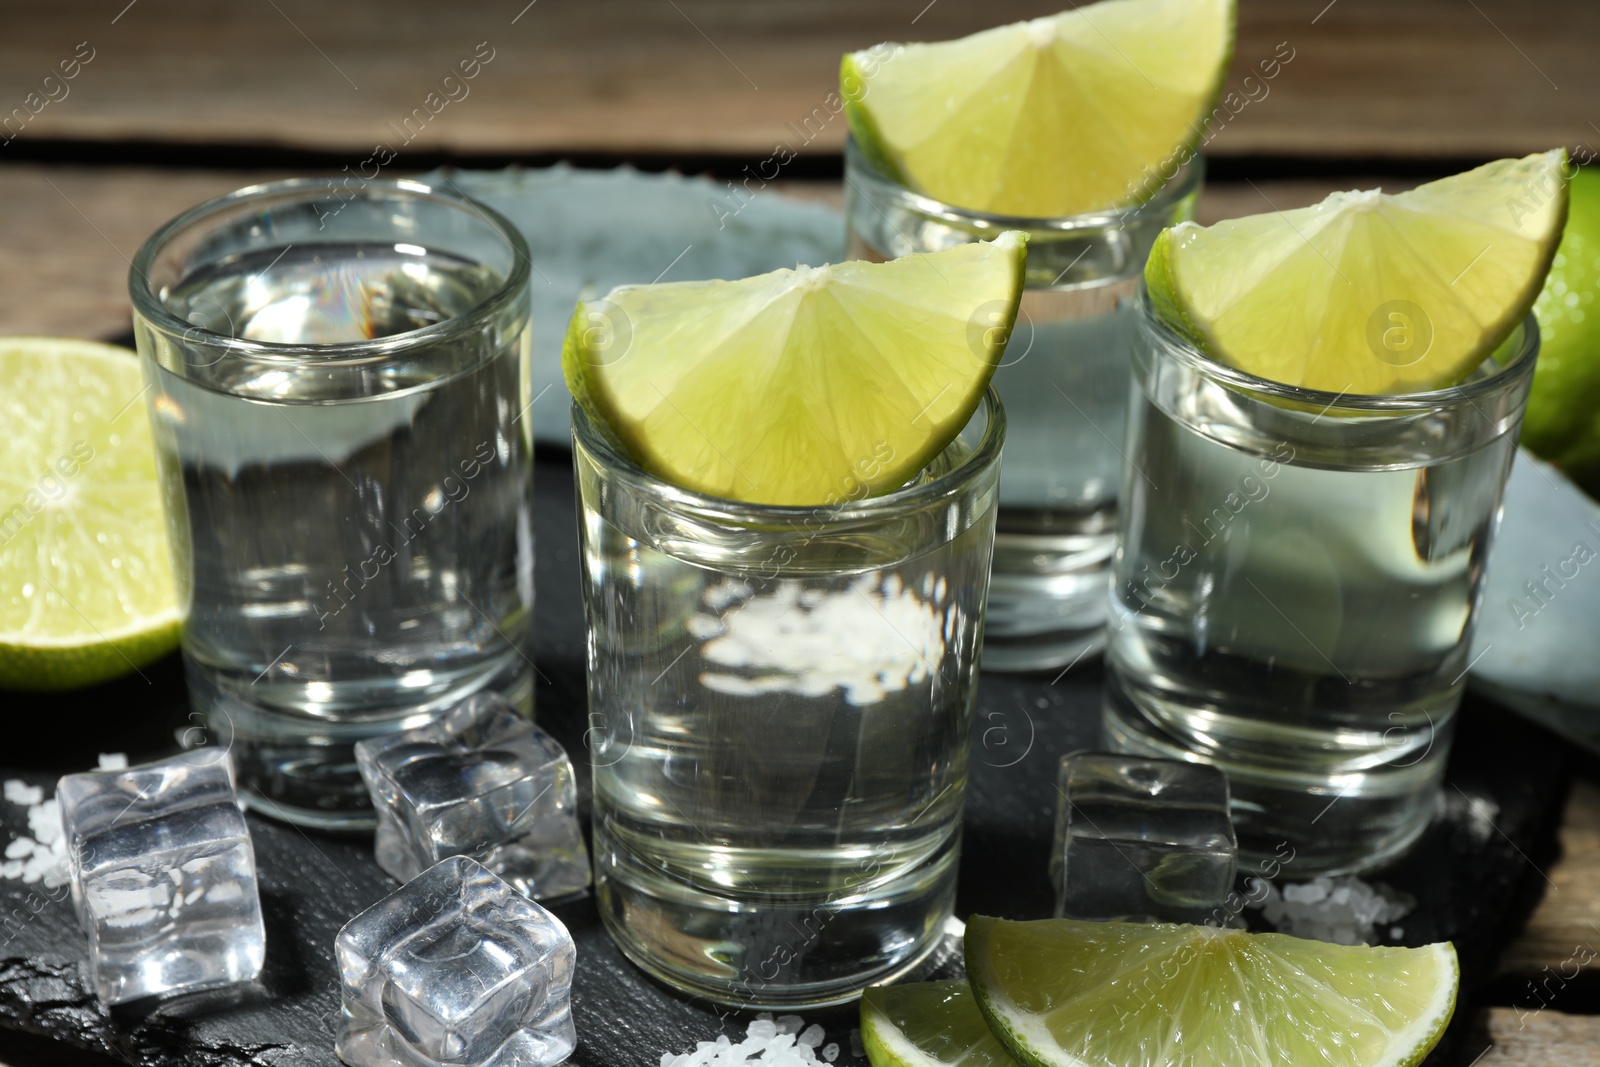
(42, 857)
(782, 1042)
(1344, 911)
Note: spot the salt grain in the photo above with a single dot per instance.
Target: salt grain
(19, 792)
(42, 857)
(782, 1042)
(1344, 911)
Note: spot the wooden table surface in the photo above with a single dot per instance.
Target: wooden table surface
(174, 101)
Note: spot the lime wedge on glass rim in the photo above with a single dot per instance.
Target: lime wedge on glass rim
(87, 591)
(1369, 293)
(1056, 116)
(1060, 993)
(928, 1024)
(798, 387)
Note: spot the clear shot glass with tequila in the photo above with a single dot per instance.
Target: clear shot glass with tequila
(1293, 600)
(337, 383)
(780, 703)
(1065, 383)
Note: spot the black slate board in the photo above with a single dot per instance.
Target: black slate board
(1475, 874)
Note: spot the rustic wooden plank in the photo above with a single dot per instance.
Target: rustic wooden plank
(67, 233)
(1368, 78)
(1563, 934)
(1512, 1038)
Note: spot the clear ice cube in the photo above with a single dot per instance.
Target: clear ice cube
(163, 877)
(1142, 839)
(480, 781)
(455, 967)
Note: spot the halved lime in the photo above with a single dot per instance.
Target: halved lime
(806, 386)
(86, 587)
(1369, 293)
(928, 1024)
(1060, 993)
(1062, 115)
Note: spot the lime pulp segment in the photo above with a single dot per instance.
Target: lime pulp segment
(928, 1024)
(88, 590)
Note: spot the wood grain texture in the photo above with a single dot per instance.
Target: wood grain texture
(67, 234)
(1564, 933)
(1510, 1038)
(1369, 78)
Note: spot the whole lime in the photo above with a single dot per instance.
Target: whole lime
(1563, 420)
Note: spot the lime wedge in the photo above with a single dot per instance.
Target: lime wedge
(928, 1024)
(1368, 293)
(86, 588)
(799, 387)
(1061, 993)
(1056, 116)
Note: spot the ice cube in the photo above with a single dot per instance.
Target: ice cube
(163, 877)
(455, 967)
(481, 781)
(1142, 839)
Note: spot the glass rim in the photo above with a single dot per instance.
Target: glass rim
(1186, 180)
(588, 439)
(154, 312)
(1524, 336)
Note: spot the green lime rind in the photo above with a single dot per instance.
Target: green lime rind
(928, 1024)
(86, 586)
(28, 668)
(1068, 114)
(1059, 993)
(1562, 423)
(863, 127)
(802, 387)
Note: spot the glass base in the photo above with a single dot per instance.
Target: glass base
(1047, 599)
(775, 950)
(301, 769)
(1298, 821)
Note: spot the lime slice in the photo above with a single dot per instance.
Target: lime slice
(1563, 419)
(1368, 293)
(799, 387)
(1061, 993)
(1057, 116)
(86, 588)
(928, 1024)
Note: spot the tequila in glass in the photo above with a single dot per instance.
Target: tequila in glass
(1294, 598)
(337, 391)
(1064, 381)
(780, 705)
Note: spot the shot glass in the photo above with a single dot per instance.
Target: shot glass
(337, 382)
(780, 703)
(1065, 382)
(1294, 597)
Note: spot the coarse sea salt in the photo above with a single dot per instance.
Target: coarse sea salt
(784, 1041)
(41, 854)
(1344, 911)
